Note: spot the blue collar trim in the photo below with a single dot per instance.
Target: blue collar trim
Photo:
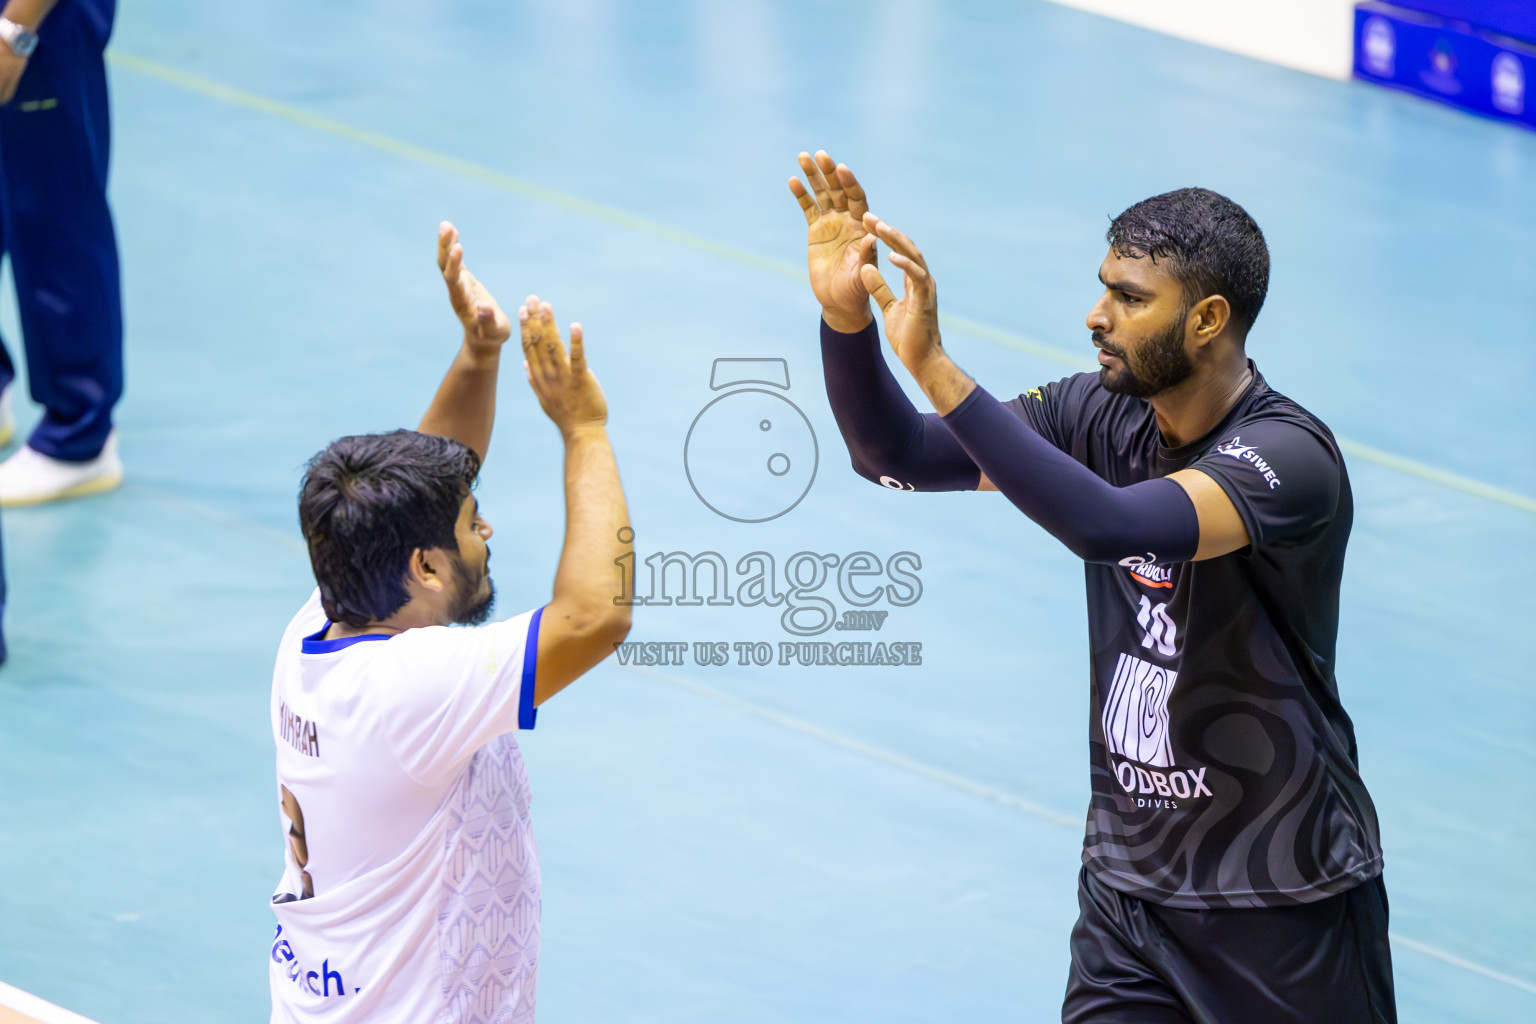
(312, 644)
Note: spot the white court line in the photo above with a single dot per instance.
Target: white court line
(1425, 949)
(39, 1010)
(865, 750)
(999, 796)
(167, 496)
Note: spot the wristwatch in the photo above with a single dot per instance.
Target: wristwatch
(19, 38)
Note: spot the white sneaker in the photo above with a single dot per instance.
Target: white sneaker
(30, 478)
(7, 418)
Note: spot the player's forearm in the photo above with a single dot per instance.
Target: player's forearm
(945, 384)
(887, 438)
(597, 536)
(1151, 521)
(28, 13)
(464, 407)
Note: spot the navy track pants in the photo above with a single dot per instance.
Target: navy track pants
(57, 229)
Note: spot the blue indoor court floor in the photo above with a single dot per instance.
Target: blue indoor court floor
(749, 844)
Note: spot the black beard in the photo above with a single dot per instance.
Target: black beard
(477, 614)
(466, 610)
(1163, 364)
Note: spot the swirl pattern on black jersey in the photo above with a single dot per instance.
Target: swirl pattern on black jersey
(1224, 771)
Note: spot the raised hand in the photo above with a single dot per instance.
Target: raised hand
(485, 325)
(911, 322)
(838, 242)
(566, 389)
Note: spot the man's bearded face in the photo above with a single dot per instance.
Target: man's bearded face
(1155, 365)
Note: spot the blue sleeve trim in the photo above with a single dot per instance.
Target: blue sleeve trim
(527, 714)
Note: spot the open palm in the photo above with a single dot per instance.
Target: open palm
(912, 321)
(567, 391)
(485, 325)
(837, 242)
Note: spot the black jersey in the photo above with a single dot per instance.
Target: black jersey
(1224, 771)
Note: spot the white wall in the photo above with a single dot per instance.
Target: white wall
(1309, 35)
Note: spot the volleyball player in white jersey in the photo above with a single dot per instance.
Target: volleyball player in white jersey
(411, 889)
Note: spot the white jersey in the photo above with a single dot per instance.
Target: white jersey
(411, 889)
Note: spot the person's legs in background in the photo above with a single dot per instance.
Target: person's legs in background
(57, 229)
(7, 371)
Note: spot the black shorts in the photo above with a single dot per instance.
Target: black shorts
(1135, 962)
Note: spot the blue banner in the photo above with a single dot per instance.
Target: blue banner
(1507, 17)
(1450, 61)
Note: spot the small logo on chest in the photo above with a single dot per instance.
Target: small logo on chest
(1249, 453)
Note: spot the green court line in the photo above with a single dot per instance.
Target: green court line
(478, 172)
(1466, 485)
(465, 168)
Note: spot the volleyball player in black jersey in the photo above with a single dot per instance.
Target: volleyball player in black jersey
(1232, 862)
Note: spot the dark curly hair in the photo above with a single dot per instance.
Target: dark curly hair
(368, 501)
(1209, 243)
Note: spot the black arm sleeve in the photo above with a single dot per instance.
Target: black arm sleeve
(890, 441)
(1152, 521)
